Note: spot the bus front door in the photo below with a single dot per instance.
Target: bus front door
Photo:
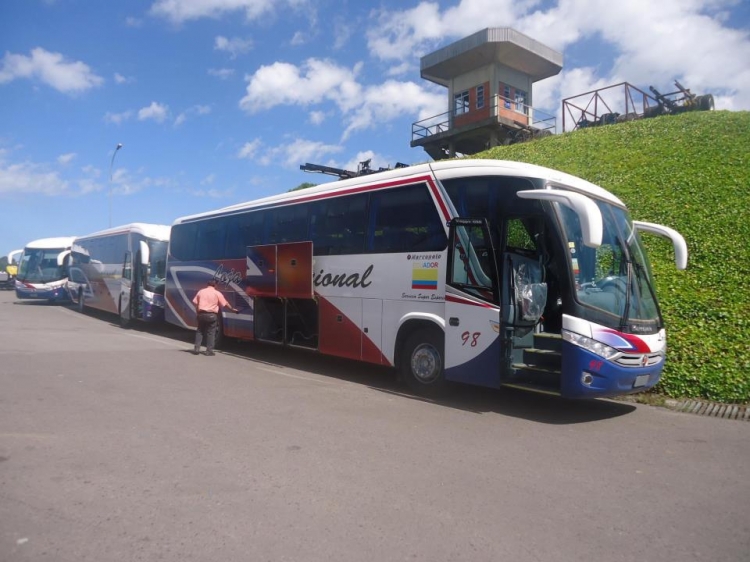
(473, 343)
(126, 284)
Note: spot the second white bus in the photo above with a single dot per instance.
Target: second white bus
(121, 270)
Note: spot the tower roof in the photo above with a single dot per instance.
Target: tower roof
(491, 45)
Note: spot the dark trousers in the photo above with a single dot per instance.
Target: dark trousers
(207, 324)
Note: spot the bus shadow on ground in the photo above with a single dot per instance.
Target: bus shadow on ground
(506, 401)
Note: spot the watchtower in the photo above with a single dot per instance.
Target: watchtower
(489, 76)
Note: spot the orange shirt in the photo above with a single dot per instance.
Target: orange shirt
(208, 300)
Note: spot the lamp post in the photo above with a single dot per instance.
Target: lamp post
(112, 162)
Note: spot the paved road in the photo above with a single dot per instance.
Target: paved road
(119, 445)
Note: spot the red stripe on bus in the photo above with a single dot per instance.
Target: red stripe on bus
(439, 199)
(462, 300)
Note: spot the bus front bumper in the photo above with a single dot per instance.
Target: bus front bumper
(588, 375)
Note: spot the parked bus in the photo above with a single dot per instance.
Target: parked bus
(43, 269)
(8, 277)
(121, 270)
(485, 272)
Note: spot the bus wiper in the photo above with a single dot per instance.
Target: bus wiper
(626, 311)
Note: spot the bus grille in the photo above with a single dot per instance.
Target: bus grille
(639, 359)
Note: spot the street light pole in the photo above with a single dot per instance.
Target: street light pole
(118, 147)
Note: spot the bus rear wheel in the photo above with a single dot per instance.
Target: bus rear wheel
(422, 363)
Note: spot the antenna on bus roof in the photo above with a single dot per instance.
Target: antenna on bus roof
(362, 170)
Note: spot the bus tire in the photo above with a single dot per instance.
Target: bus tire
(124, 322)
(80, 301)
(422, 362)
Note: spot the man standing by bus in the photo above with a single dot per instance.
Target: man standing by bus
(207, 302)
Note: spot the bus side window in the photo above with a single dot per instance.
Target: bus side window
(404, 220)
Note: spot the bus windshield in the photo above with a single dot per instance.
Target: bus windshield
(39, 265)
(157, 267)
(615, 277)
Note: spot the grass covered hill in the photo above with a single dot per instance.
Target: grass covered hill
(690, 172)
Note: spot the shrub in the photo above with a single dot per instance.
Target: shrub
(690, 172)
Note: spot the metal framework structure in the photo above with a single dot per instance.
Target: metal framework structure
(632, 103)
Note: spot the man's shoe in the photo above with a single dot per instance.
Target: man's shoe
(210, 353)
(195, 352)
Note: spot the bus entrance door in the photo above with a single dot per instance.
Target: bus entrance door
(473, 343)
(126, 283)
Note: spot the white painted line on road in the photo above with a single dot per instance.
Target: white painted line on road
(290, 375)
(157, 339)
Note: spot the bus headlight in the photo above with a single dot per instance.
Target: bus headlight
(588, 344)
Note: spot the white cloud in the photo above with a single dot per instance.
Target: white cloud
(45, 178)
(68, 77)
(29, 177)
(156, 111)
(376, 161)
(654, 43)
(318, 81)
(222, 73)
(120, 79)
(180, 11)
(133, 22)
(286, 84)
(209, 179)
(117, 118)
(317, 117)
(289, 154)
(390, 100)
(195, 110)
(249, 149)
(65, 159)
(299, 38)
(299, 151)
(234, 46)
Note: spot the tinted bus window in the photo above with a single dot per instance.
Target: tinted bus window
(210, 237)
(337, 226)
(242, 231)
(405, 220)
(182, 241)
(287, 224)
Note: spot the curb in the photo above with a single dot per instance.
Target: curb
(724, 411)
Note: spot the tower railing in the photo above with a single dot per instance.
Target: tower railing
(522, 115)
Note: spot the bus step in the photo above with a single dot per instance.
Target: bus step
(550, 342)
(554, 391)
(523, 373)
(545, 358)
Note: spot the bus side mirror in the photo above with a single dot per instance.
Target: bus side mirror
(61, 257)
(680, 247)
(588, 213)
(144, 253)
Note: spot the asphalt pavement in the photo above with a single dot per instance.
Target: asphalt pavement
(119, 445)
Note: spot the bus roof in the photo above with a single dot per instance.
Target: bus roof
(443, 169)
(155, 231)
(43, 243)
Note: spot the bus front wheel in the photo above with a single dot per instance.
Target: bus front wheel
(422, 362)
(80, 300)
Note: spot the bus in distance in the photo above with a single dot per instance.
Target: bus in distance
(43, 270)
(121, 270)
(484, 272)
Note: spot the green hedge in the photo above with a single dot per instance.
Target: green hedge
(690, 172)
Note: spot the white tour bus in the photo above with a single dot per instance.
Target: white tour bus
(121, 270)
(479, 271)
(43, 269)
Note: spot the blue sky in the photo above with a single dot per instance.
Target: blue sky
(219, 101)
